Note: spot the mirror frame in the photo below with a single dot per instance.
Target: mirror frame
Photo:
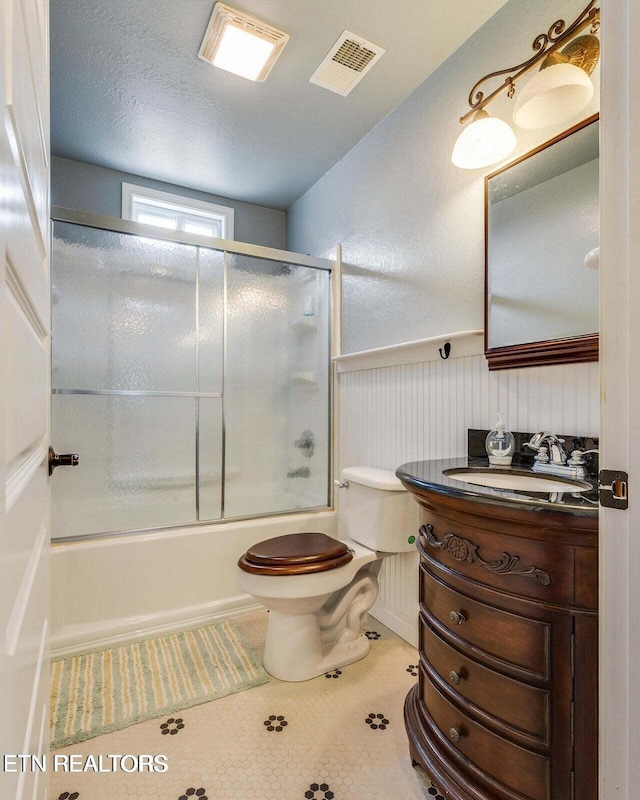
(549, 351)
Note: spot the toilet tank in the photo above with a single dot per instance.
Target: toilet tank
(380, 513)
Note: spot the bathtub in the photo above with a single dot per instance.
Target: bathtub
(121, 588)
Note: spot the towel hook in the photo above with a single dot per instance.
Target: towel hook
(447, 351)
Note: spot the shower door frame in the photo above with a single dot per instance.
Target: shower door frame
(127, 227)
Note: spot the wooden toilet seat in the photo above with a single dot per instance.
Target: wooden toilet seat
(295, 554)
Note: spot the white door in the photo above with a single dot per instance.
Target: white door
(24, 389)
(620, 371)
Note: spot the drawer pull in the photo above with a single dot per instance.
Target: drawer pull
(454, 676)
(455, 735)
(457, 617)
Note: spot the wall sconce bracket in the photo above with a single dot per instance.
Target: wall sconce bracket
(583, 52)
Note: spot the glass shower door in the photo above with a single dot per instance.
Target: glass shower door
(277, 387)
(193, 383)
(136, 376)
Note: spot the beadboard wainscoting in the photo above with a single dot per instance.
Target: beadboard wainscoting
(394, 414)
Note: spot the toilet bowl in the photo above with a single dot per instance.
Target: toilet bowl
(317, 588)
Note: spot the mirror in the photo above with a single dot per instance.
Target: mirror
(542, 220)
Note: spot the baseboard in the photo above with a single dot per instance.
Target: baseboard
(406, 628)
(78, 638)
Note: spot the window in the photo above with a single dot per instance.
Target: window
(178, 213)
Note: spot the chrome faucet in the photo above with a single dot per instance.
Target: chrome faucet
(551, 453)
(552, 458)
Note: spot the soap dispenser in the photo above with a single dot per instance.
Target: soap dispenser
(500, 444)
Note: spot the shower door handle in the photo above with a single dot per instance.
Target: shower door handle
(306, 443)
(61, 460)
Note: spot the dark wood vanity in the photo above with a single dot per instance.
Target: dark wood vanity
(506, 703)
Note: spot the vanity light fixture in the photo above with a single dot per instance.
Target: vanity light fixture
(558, 91)
(239, 43)
(484, 141)
(561, 88)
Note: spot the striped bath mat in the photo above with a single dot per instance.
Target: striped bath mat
(107, 690)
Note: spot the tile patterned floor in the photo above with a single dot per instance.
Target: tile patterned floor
(338, 737)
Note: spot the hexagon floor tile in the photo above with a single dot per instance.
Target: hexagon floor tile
(338, 737)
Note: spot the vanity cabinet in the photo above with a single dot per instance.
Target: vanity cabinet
(506, 703)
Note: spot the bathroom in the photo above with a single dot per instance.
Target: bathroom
(261, 315)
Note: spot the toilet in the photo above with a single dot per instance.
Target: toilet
(317, 588)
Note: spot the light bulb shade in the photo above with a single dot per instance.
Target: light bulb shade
(592, 259)
(554, 94)
(484, 141)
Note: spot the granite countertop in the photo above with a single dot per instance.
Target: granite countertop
(429, 475)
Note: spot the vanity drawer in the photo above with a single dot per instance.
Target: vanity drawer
(520, 706)
(516, 768)
(537, 570)
(503, 638)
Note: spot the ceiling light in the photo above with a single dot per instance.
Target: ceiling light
(559, 91)
(242, 44)
(485, 141)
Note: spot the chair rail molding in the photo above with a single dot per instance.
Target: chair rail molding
(463, 343)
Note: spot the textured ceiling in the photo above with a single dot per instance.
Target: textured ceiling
(129, 91)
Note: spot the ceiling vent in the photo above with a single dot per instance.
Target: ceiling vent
(346, 64)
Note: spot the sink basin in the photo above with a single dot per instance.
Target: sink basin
(516, 481)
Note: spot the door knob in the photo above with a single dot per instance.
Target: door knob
(61, 460)
(455, 734)
(457, 617)
(454, 676)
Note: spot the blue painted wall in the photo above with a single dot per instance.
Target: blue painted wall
(86, 187)
(410, 223)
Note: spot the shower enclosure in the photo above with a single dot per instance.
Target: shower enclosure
(190, 374)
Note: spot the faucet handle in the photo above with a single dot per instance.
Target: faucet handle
(543, 454)
(541, 450)
(577, 457)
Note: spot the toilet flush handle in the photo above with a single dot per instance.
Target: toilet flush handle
(342, 484)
